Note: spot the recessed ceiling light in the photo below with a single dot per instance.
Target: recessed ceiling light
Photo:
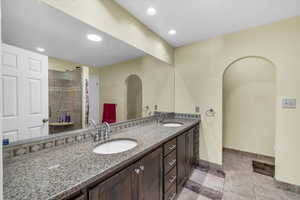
(151, 11)
(40, 49)
(172, 32)
(94, 37)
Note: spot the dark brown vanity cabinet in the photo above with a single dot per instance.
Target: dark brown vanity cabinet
(140, 181)
(185, 157)
(159, 175)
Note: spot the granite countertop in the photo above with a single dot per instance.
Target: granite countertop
(59, 172)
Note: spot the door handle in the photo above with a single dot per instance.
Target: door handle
(45, 120)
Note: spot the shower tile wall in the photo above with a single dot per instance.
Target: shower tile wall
(65, 95)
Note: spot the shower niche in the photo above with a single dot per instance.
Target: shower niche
(65, 100)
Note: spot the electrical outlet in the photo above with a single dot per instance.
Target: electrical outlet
(289, 103)
(155, 107)
(197, 109)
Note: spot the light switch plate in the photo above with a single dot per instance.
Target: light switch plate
(289, 103)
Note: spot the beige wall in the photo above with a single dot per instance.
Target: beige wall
(134, 97)
(157, 84)
(61, 65)
(249, 106)
(109, 17)
(198, 81)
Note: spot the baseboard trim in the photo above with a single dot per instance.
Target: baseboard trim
(252, 155)
(287, 186)
(209, 165)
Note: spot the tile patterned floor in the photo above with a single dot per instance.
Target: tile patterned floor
(204, 184)
(240, 182)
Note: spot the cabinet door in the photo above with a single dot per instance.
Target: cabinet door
(122, 186)
(181, 161)
(151, 177)
(189, 152)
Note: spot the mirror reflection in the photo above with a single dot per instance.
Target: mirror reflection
(134, 97)
(65, 100)
(60, 73)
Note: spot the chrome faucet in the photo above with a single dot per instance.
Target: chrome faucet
(161, 118)
(96, 132)
(107, 130)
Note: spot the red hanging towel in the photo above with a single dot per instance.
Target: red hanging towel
(109, 113)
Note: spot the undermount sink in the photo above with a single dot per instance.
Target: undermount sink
(115, 146)
(172, 124)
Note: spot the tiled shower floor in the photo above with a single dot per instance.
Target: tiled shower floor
(239, 183)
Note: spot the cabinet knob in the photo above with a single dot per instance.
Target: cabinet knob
(137, 171)
(142, 167)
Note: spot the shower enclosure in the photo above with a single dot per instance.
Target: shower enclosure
(65, 100)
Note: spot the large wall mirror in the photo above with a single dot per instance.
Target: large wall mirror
(59, 73)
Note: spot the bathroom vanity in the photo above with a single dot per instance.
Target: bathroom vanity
(155, 169)
(159, 173)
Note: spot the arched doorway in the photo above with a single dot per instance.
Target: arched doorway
(249, 97)
(134, 97)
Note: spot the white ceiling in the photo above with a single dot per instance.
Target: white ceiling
(30, 24)
(197, 20)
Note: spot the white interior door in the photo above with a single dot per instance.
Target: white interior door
(94, 98)
(25, 93)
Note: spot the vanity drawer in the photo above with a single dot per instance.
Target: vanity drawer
(171, 194)
(170, 162)
(169, 146)
(170, 179)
